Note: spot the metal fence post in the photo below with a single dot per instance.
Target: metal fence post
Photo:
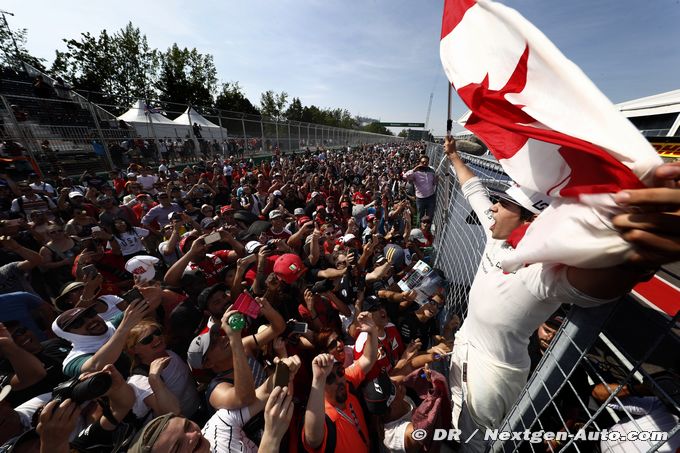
(21, 133)
(245, 136)
(262, 148)
(101, 135)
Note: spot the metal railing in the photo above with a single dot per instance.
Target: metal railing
(627, 344)
(68, 133)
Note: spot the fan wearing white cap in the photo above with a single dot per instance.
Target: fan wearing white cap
(142, 268)
(278, 229)
(503, 309)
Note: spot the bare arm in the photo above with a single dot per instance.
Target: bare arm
(28, 370)
(314, 423)
(162, 400)
(31, 258)
(277, 325)
(370, 354)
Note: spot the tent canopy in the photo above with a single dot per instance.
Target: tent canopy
(138, 114)
(658, 104)
(191, 116)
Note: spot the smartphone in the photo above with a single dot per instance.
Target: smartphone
(246, 304)
(281, 375)
(90, 270)
(212, 238)
(269, 246)
(132, 295)
(297, 327)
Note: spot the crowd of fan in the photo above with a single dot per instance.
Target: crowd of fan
(123, 301)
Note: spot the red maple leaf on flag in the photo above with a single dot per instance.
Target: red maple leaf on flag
(506, 129)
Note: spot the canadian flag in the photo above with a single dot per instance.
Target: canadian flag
(549, 127)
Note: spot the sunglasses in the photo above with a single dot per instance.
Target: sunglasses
(80, 320)
(19, 331)
(333, 344)
(149, 338)
(337, 373)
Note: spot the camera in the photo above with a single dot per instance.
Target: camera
(82, 391)
(322, 286)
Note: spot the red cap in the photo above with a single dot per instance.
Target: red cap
(289, 267)
(227, 208)
(142, 195)
(319, 207)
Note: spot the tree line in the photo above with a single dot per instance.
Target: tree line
(116, 68)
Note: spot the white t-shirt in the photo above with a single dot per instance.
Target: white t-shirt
(172, 258)
(225, 433)
(394, 430)
(112, 302)
(45, 187)
(130, 243)
(177, 377)
(147, 181)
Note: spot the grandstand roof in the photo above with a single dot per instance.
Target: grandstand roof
(657, 104)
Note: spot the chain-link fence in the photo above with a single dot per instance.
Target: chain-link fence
(61, 131)
(611, 370)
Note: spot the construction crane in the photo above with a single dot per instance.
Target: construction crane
(429, 109)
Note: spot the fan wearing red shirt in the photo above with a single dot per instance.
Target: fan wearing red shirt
(390, 344)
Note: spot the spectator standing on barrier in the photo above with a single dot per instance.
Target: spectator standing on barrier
(424, 180)
(490, 364)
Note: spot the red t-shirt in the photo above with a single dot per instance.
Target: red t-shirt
(390, 348)
(213, 264)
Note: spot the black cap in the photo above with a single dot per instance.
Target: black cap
(379, 393)
(373, 303)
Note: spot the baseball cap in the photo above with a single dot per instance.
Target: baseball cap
(417, 235)
(348, 237)
(75, 194)
(532, 201)
(275, 214)
(373, 303)
(379, 393)
(60, 301)
(289, 267)
(199, 347)
(208, 222)
(145, 439)
(370, 217)
(277, 193)
(299, 211)
(142, 267)
(141, 195)
(252, 247)
(314, 194)
(227, 208)
(68, 317)
(395, 255)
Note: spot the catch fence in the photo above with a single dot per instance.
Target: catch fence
(612, 368)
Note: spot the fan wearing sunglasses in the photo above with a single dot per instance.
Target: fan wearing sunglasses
(95, 342)
(160, 378)
(332, 405)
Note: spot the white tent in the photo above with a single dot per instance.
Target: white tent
(208, 129)
(152, 125)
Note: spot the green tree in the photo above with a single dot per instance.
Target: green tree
(186, 76)
(273, 105)
(403, 133)
(294, 112)
(377, 128)
(135, 63)
(8, 52)
(231, 97)
(86, 64)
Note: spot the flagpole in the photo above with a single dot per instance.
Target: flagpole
(449, 124)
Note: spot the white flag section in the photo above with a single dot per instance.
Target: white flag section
(550, 128)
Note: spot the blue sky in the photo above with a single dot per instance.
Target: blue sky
(377, 58)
